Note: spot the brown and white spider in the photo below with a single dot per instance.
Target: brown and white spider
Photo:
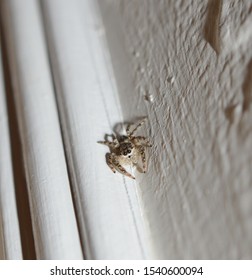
(127, 150)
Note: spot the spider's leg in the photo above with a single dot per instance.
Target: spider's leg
(111, 145)
(109, 160)
(120, 168)
(116, 143)
(140, 140)
(105, 142)
(139, 125)
(128, 129)
(141, 150)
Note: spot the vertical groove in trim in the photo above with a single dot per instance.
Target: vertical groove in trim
(23, 207)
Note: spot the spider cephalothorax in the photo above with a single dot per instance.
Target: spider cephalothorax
(127, 150)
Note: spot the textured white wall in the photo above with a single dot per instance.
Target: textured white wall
(187, 66)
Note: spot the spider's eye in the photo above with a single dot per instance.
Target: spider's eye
(125, 153)
(129, 156)
(128, 151)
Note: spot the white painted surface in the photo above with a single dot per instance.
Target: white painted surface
(54, 224)
(10, 243)
(107, 204)
(2, 243)
(190, 66)
(186, 65)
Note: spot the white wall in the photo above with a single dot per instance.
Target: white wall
(187, 66)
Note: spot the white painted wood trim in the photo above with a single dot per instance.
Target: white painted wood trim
(107, 204)
(9, 227)
(2, 243)
(54, 224)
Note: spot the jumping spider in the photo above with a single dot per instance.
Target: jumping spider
(127, 150)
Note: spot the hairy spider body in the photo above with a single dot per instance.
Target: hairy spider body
(128, 150)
